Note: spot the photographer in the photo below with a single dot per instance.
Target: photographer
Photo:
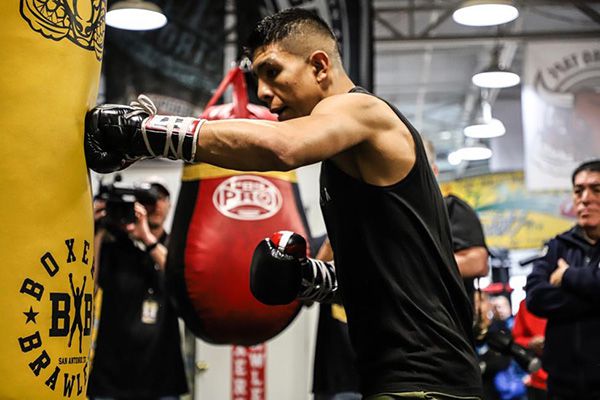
(137, 348)
(491, 361)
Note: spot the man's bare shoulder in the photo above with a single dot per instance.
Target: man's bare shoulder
(363, 108)
(385, 153)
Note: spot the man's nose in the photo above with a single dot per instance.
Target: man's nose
(264, 92)
(586, 195)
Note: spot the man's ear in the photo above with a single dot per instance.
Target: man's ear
(436, 170)
(321, 64)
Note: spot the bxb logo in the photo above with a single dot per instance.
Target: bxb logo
(70, 315)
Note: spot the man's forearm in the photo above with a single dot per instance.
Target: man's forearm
(472, 262)
(583, 281)
(157, 251)
(545, 300)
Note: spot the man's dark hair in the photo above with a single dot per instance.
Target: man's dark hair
(593, 165)
(274, 28)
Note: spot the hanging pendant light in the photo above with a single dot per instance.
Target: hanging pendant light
(495, 76)
(485, 12)
(454, 158)
(485, 125)
(472, 151)
(137, 15)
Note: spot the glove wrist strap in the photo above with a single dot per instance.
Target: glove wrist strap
(171, 136)
(163, 135)
(319, 281)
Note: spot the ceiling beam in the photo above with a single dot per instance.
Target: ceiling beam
(385, 7)
(587, 10)
(439, 20)
(391, 28)
(478, 38)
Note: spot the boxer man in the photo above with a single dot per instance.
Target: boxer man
(408, 315)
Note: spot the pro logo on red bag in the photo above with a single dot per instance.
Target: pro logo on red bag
(247, 197)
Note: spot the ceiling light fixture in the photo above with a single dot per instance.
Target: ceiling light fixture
(474, 152)
(495, 76)
(454, 158)
(491, 129)
(485, 12)
(485, 126)
(136, 15)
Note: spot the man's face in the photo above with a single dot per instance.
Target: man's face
(157, 213)
(483, 309)
(586, 198)
(501, 308)
(286, 82)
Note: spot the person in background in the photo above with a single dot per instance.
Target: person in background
(468, 239)
(510, 381)
(334, 374)
(528, 331)
(490, 361)
(502, 311)
(137, 353)
(564, 288)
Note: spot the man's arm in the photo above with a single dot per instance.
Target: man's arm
(472, 262)
(361, 133)
(468, 239)
(582, 281)
(336, 124)
(141, 231)
(548, 301)
(280, 272)
(159, 255)
(325, 252)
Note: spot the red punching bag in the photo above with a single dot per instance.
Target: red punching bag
(221, 216)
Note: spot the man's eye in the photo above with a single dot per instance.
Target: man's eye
(271, 73)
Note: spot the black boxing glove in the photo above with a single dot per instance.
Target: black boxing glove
(281, 272)
(117, 135)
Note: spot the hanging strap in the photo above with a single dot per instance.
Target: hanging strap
(234, 77)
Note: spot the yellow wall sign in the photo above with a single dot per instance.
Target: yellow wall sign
(513, 217)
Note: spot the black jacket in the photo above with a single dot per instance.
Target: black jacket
(572, 346)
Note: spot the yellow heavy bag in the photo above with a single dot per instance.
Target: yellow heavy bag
(221, 216)
(51, 56)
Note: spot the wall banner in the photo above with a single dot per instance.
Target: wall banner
(512, 216)
(248, 372)
(561, 110)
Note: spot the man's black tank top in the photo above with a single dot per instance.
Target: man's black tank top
(408, 315)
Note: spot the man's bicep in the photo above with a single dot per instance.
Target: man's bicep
(341, 122)
(321, 136)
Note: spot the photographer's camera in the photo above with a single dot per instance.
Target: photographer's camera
(120, 199)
